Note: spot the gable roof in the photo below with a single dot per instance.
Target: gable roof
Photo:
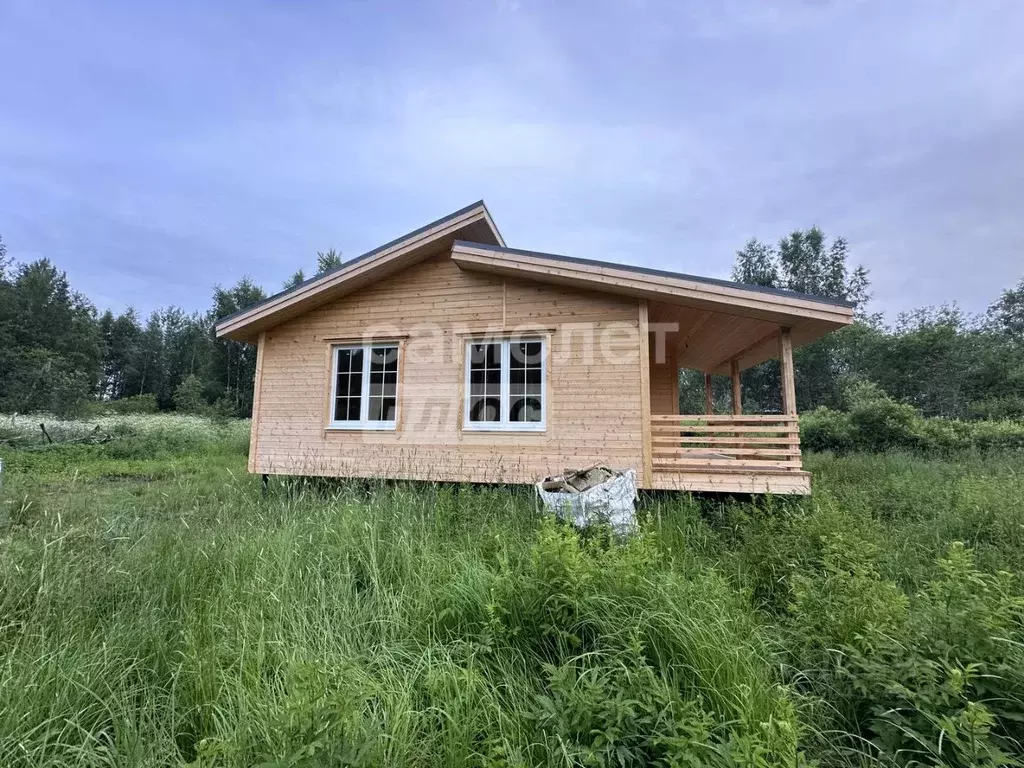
(657, 273)
(473, 222)
(773, 304)
(476, 245)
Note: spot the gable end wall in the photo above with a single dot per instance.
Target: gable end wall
(594, 402)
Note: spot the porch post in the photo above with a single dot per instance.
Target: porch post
(737, 399)
(788, 376)
(709, 400)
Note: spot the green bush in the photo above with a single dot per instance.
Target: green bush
(135, 404)
(907, 644)
(935, 680)
(189, 397)
(876, 422)
(880, 422)
(824, 429)
(1009, 406)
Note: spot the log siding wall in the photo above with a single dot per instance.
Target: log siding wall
(594, 398)
(664, 381)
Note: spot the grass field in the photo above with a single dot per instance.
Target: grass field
(156, 609)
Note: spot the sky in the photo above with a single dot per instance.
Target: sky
(155, 149)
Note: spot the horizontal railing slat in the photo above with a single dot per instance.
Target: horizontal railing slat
(749, 463)
(693, 442)
(669, 451)
(713, 440)
(662, 418)
(661, 429)
(725, 469)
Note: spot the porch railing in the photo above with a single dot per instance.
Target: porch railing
(713, 443)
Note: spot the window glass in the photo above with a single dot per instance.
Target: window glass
(505, 384)
(349, 386)
(366, 385)
(525, 376)
(485, 382)
(383, 383)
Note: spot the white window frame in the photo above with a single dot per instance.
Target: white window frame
(504, 425)
(364, 391)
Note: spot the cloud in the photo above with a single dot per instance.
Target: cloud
(156, 151)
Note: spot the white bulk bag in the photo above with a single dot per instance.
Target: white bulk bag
(611, 503)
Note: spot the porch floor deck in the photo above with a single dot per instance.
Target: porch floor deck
(733, 481)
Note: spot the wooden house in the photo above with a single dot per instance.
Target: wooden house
(447, 355)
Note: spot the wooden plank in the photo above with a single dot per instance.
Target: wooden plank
(788, 374)
(679, 463)
(736, 356)
(711, 440)
(664, 380)
(645, 392)
(732, 470)
(673, 451)
(721, 338)
(326, 377)
(700, 428)
(781, 482)
(399, 387)
(756, 417)
(709, 399)
(675, 382)
(693, 329)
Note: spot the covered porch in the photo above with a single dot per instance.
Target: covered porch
(729, 452)
(705, 324)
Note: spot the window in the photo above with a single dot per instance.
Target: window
(505, 385)
(364, 391)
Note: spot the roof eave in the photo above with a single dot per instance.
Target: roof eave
(245, 324)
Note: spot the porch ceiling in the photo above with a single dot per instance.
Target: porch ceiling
(709, 341)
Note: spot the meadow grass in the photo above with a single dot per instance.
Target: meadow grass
(157, 609)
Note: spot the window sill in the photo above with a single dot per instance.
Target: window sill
(362, 426)
(506, 428)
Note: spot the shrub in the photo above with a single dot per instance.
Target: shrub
(879, 422)
(189, 396)
(1008, 406)
(937, 679)
(824, 429)
(876, 422)
(996, 434)
(135, 404)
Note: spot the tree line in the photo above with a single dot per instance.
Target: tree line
(941, 360)
(58, 353)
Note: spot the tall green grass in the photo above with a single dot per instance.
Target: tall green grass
(156, 609)
(411, 627)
